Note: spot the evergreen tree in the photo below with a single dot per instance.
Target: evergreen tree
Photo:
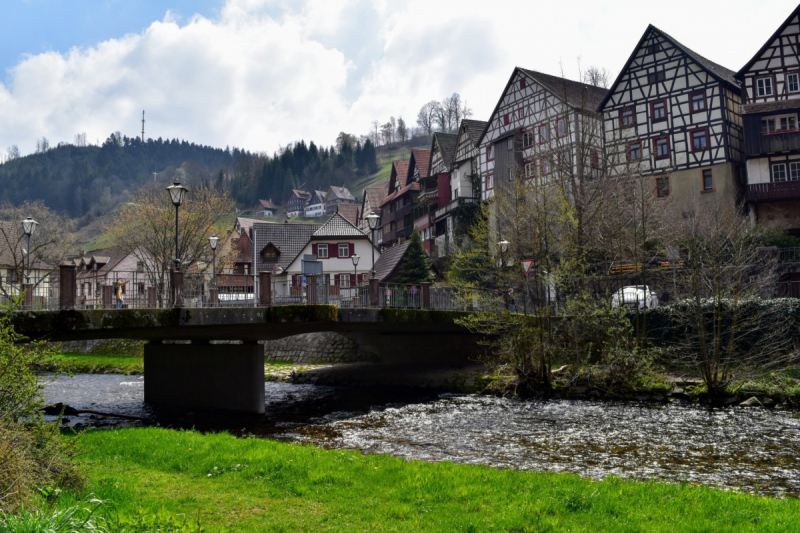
(416, 265)
(288, 185)
(370, 158)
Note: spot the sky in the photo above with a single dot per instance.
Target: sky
(260, 74)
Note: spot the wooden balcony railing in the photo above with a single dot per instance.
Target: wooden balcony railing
(774, 191)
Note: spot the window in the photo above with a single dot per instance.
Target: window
(269, 254)
(140, 288)
(489, 182)
(764, 86)
(662, 187)
(789, 123)
(522, 83)
(779, 172)
(322, 251)
(527, 139)
(794, 171)
(521, 113)
(544, 133)
(627, 117)
(547, 166)
(561, 127)
(699, 140)
(510, 173)
(490, 153)
(708, 182)
(530, 169)
(661, 145)
(510, 143)
(656, 77)
(793, 82)
(505, 120)
(634, 151)
(697, 101)
(652, 48)
(658, 110)
(778, 123)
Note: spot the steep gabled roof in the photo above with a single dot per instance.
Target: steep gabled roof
(580, 96)
(303, 195)
(339, 192)
(267, 204)
(317, 198)
(107, 257)
(289, 239)
(447, 146)
(474, 128)
(749, 64)
(349, 212)
(375, 194)
(388, 264)
(338, 226)
(420, 159)
(414, 186)
(717, 71)
(399, 169)
(245, 223)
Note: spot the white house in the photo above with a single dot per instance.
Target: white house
(316, 205)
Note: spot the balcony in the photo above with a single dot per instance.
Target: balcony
(424, 221)
(455, 204)
(757, 143)
(428, 195)
(773, 192)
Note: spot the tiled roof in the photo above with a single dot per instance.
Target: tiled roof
(578, 95)
(245, 223)
(317, 198)
(267, 204)
(107, 257)
(338, 226)
(447, 145)
(289, 239)
(305, 195)
(340, 192)
(349, 212)
(400, 168)
(421, 158)
(474, 129)
(401, 192)
(375, 194)
(389, 261)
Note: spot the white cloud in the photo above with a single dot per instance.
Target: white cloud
(268, 72)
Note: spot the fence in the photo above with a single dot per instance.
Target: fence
(224, 290)
(137, 289)
(42, 293)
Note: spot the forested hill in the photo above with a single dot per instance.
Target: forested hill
(88, 181)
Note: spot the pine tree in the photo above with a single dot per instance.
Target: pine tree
(416, 266)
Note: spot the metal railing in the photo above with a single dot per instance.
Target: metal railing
(399, 296)
(789, 255)
(138, 289)
(42, 293)
(227, 290)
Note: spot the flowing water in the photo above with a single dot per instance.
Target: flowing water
(738, 448)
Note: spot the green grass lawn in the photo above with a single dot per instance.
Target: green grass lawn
(263, 485)
(80, 363)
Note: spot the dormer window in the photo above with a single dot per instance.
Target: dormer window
(270, 253)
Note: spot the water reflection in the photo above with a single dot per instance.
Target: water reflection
(746, 449)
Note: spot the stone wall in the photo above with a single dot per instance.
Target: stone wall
(315, 348)
(103, 347)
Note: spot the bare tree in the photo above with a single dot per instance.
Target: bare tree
(80, 139)
(427, 116)
(387, 132)
(597, 76)
(42, 145)
(12, 153)
(375, 133)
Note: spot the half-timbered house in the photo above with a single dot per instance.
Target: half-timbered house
(540, 124)
(396, 208)
(464, 173)
(672, 116)
(434, 188)
(771, 91)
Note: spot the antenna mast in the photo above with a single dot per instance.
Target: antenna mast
(142, 126)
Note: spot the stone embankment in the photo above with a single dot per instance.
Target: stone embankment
(314, 348)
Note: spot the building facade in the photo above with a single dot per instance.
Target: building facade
(315, 207)
(296, 203)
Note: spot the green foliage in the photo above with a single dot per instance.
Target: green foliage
(289, 487)
(94, 363)
(416, 265)
(780, 238)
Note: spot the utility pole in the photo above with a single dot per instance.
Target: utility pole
(142, 126)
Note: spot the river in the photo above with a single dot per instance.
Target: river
(745, 449)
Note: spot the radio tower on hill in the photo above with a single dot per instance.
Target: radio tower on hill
(142, 126)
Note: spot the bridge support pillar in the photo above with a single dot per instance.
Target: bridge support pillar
(211, 376)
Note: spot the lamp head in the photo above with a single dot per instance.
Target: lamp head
(29, 226)
(176, 193)
(355, 259)
(372, 220)
(503, 245)
(213, 241)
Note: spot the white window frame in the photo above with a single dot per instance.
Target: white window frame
(346, 249)
(794, 170)
(320, 249)
(762, 84)
(776, 166)
(530, 169)
(790, 82)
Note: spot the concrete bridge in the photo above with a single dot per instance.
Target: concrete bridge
(189, 360)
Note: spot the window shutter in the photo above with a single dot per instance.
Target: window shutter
(336, 278)
(352, 280)
(314, 249)
(352, 249)
(333, 250)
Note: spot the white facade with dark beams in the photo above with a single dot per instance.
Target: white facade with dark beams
(771, 88)
(673, 116)
(541, 123)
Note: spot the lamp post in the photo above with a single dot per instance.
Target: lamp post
(503, 249)
(372, 221)
(355, 259)
(28, 227)
(213, 241)
(176, 194)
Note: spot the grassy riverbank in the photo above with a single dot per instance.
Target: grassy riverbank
(262, 485)
(81, 363)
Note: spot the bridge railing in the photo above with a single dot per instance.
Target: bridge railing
(225, 290)
(41, 291)
(393, 295)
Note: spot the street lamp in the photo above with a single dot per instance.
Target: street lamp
(176, 193)
(28, 227)
(355, 259)
(213, 241)
(372, 222)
